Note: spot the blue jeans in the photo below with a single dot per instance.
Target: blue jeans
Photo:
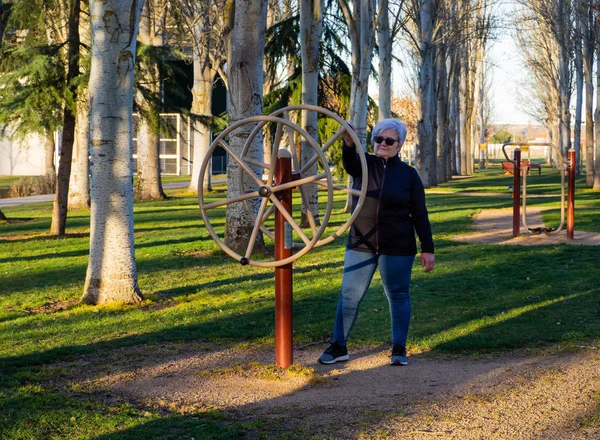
(359, 268)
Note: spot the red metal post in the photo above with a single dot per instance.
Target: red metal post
(517, 193)
(571, 194)
(283, 274)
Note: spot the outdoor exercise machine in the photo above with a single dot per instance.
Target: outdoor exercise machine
(260, 183)
(564, 167)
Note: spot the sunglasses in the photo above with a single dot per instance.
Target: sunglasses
(388, 141)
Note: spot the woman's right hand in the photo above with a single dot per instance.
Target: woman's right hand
(348, 142)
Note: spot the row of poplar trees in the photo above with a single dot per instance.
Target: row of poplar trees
(560, 42)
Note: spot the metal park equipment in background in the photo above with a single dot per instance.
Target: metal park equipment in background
(272, 183)
(564, 167)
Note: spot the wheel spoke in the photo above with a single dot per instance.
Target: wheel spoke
(242, 163)
(303, 181)
(342, 188)
(333, 139)
(257, 227)
(224, 202)
(309, 215)
(325, 147)
(256, 163)
(290, 220)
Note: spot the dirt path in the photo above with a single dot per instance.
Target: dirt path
(549, 395)
(494, 226)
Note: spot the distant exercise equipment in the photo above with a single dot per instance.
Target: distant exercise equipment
(564, 167)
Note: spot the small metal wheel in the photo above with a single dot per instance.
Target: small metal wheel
(257, 188)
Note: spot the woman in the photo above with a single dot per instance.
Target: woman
(383, 235)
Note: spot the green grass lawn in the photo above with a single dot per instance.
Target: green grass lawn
(480, 298)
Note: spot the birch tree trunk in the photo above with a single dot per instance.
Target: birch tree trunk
(596, 185)
(245, 80)
(79, 186)
(49, 152)
(426, 130)
(385, 61)
(201, 106)
(443, 146)
(311, 24)
(453, 113)
(362, 26)
(60, 205)
(205, 21)
(112, 274)
(462, 154)
(563, 36)
(578, 94)
(588, 65)
(149, 185)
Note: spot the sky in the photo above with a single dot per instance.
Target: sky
(507, 76)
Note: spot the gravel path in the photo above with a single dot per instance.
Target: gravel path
(550, 394)
(494, 226)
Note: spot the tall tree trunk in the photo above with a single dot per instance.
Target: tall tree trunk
(311, 23)
(112, 274)
(49, 152)
(79, 186)
(564, 64)
(149, 185)
(245, 81)
(2, 216)
(578, 94)
(442, 118)
(596, 154)
(426, 130)
(588, 65)
(59, 210)
(462, 114)
(201, 106)
(453, 114)
(385, 62)
(361, 28)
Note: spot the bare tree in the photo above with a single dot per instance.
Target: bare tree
(587, 15)
(311, 25)
(204, 24)
(556, 18)
(245, 84)
(59, 210)
(361, 18)
(151, 34)
(596, 152)
(112, 274)
(79, 184)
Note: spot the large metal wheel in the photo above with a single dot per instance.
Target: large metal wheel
(282, 132)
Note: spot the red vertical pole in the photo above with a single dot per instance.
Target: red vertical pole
(571, 195)
(283, 274)
(517, 193)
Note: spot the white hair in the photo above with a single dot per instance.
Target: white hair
(393, 124)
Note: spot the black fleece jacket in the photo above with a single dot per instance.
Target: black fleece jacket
(393, 210)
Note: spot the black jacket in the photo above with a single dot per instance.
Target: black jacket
(393, 210)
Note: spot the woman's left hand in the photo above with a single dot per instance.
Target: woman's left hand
(427, 261)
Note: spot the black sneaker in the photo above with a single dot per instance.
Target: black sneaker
(399, 355)
(335, 353)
